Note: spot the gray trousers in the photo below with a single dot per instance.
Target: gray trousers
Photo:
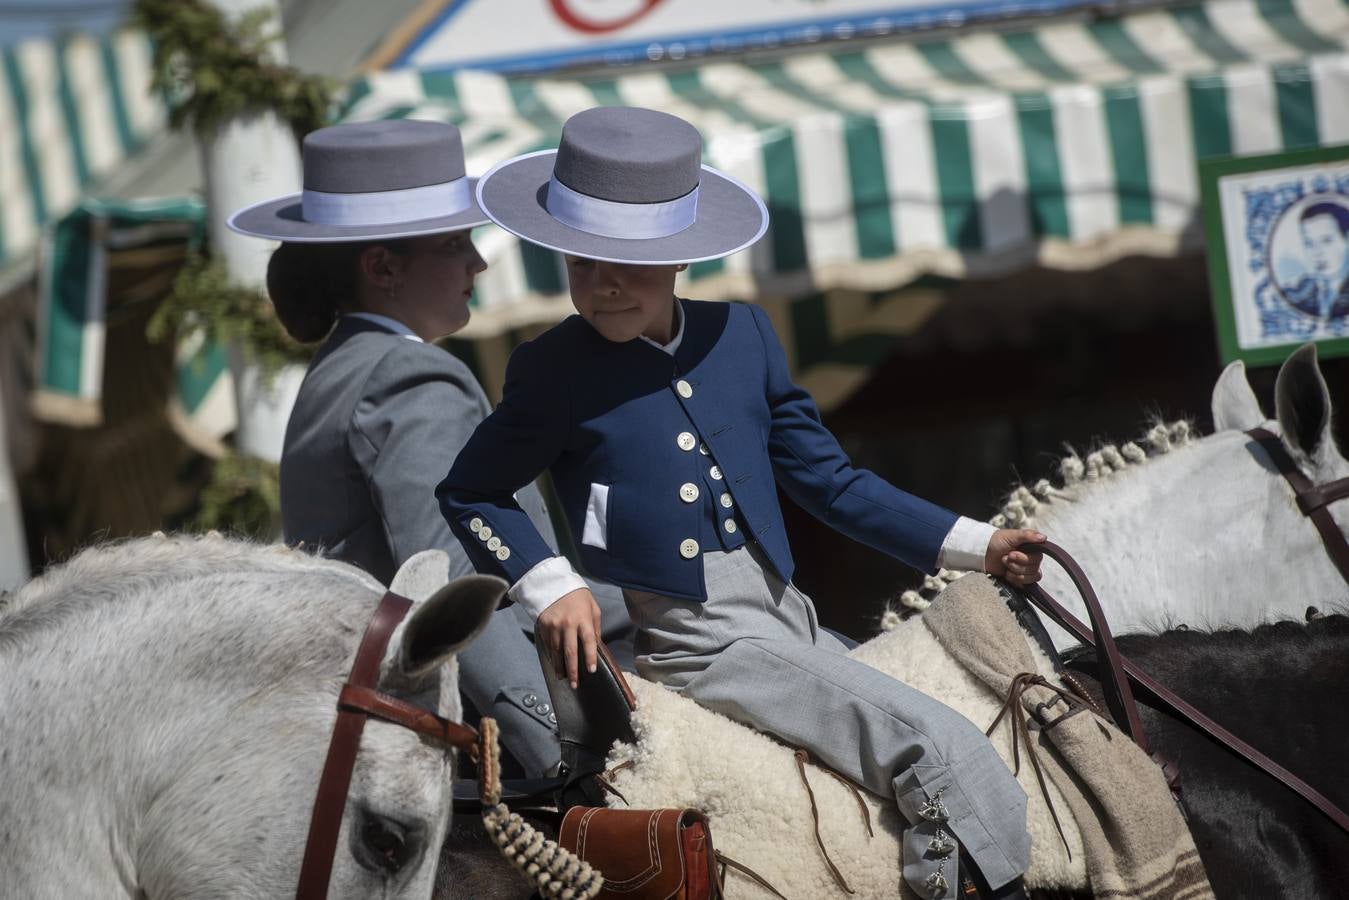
(755, 653)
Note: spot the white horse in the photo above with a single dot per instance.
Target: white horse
(167, 707)
(1196, 531)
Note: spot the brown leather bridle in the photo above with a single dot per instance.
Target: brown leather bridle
(360, 699)
(1312, 499)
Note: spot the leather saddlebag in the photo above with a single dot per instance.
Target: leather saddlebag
(644, 854)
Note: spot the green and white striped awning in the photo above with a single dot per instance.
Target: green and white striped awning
(1068, 145)
(70, 111)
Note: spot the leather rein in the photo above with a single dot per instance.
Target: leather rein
(359, 700)
(1117, 670)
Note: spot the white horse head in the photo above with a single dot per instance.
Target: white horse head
(167, 707)
(1198, 531)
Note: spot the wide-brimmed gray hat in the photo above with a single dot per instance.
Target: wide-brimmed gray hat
(624, 185)
(372, 181)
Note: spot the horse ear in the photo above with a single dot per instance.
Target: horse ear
(1302, 404)
(1234, 405)
(422, 575)
(443, 623)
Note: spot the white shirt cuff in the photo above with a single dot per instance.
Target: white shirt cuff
(545, 584)
(966, 545)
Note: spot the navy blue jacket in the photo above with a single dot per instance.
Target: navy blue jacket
(612, 422)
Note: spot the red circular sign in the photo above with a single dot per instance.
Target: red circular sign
(581, 23)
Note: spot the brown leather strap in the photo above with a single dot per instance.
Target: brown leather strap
(1011, 707)
(1174, 703)
(726, 862)
(1119, 697)
(1312, 499)
(331, 800)
(413, 718)
(801, 759)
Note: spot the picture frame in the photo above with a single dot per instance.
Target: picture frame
(1277, 232)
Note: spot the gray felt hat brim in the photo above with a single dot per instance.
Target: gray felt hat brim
(280, 220)
(730, 217)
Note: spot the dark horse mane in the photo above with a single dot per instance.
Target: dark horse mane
(1281, 687)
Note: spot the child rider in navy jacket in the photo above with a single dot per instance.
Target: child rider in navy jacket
(668, 426)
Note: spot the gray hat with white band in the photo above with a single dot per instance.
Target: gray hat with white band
(372, 181)
(625, 185)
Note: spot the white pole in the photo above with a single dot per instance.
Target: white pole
(247, 160)
(13, 547)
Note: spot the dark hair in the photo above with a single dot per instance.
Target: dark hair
(1325, 208)
(312, 284)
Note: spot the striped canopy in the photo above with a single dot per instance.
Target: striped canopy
(1068, 145)
(70, 111)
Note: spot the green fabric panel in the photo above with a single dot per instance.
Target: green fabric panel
(870, 193)
(810, 330)
(397, 112)
(1194, 21)
(1283, 18)
(606, 92)
(785, 231)
(857, 67)
(113, 77)
(541, 269)
(1209, 116)
(442, 87)
(942, 57)
(71, 114)
(67, 305)
(196, 376)
(19, 98)
(1124, 124)
(955, 179)
(529, 106)
(690, 86)
(1032, 54)
(1123, 49)
(1295, 96)
(706, 268)
(1044, 174)
(775, 75)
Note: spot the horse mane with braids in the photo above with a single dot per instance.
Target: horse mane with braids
(1021, 505)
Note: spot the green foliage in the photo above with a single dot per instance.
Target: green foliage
(244, 497)
(212, 70)
(204, 302)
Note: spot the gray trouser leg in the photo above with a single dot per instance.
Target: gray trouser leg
(499, 671)
(755, 652)
(882, 734)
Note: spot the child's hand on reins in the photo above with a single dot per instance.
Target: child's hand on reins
(1004, 560)
(572, 620)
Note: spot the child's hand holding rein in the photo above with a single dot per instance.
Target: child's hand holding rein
(1004, 560)
(573, 619)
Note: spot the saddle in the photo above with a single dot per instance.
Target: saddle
(590, 720)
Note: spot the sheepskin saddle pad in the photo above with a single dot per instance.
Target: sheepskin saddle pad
(751, 789)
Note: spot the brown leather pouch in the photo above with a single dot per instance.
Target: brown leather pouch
(644, 854)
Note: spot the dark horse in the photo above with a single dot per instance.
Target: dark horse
(1281, 687)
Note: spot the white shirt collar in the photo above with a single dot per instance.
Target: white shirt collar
(671, 347)
(393, 325)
